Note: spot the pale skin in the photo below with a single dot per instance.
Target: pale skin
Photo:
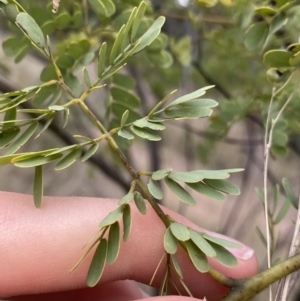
(38, 247)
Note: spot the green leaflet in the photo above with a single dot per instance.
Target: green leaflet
(208, 191)
(161, 174)
(101, 59)
(90, 152)
(289, 193)
(125, 134)
(7, 136)
(38, 186)
(126, 198)
(86, 77)
(140, 202)
(144, 123)
(222, 242)
(202, 244)
(34, 160)
(22, 139)
(112, 217)
(180, 192)
(224, 256)
(180, 231)
(223, 186)
(176, 266)
(31, 28)
(155, 189)
(113, 243)
(127, 222)
(145, 133)
(197, 256)
(196, 94)
(256, 36)
(97, 264)
(150, 35)
(124, 118)
(102, 8)
(170, 242)
(69, 159)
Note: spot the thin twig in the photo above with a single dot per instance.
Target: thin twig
(285, 284)
(97, 161)
(268, 145)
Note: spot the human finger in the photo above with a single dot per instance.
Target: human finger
(39, 247)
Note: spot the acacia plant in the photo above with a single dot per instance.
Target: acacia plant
(88, 48)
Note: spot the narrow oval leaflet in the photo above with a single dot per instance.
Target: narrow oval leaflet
(208, 191)
(35, 160)
(224, 256)
(223, 186)
(140, 202)
(38, 186)
(222, 242)
(180, 231)
(113, 246)
(86, 77)
(69, 159)
(101, 59)
(97, 265)
(202, 244)
(112, 217)
(176, 266)
(7, 136)
(170, 242)
(126, 198)
(155, 189)
(18, 143)
(127, 222)
(31, 28)
(161, 174)
(90, 152)
(145, 133)
(181, 193)
(197, 256)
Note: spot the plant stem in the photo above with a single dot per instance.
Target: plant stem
(249, 287)
(125, 162)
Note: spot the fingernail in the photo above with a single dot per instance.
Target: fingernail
(242, 253)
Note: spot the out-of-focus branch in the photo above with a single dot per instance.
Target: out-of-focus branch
(68, 140)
